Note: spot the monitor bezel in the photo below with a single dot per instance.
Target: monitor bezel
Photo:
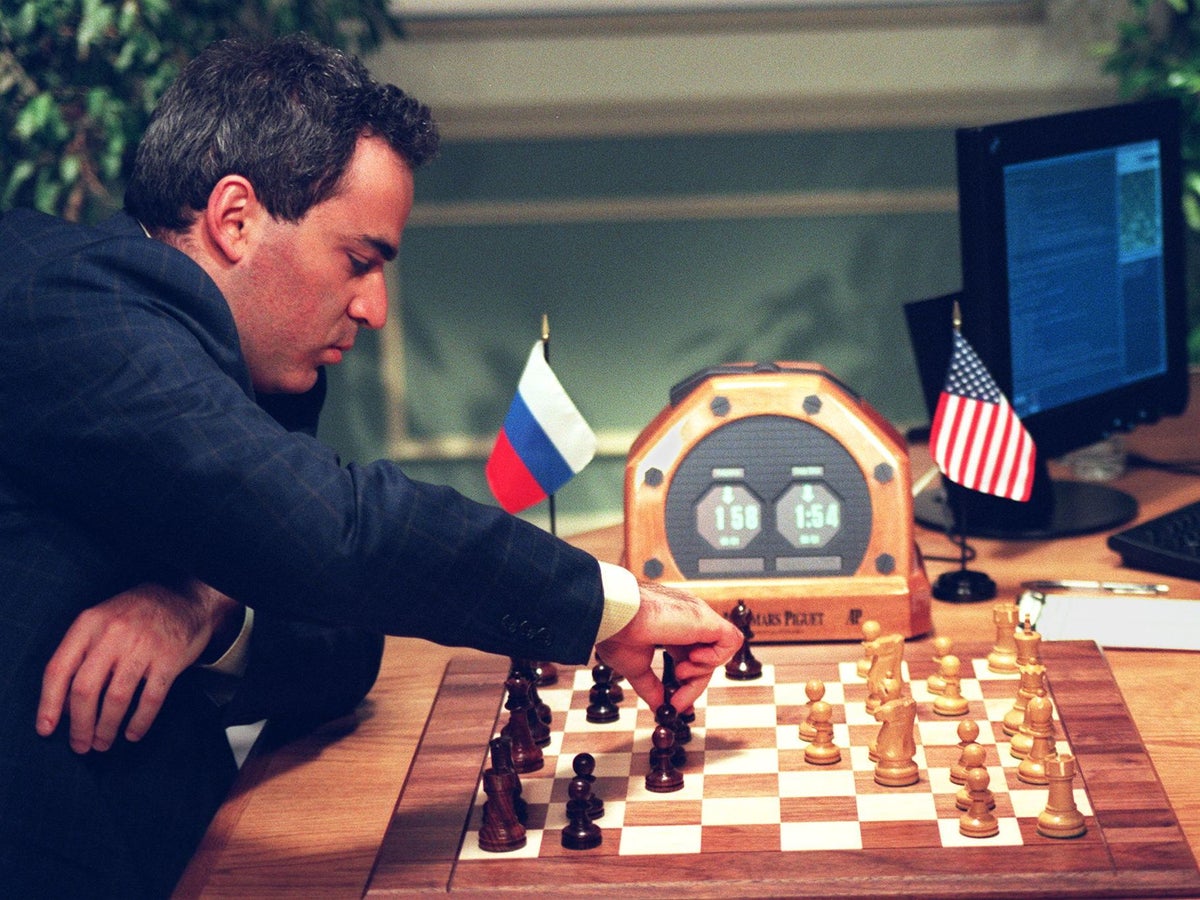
(983, 153)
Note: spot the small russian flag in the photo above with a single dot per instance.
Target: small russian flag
(543, 443)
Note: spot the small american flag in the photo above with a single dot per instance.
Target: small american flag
(976, 439)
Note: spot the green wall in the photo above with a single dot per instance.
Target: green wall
(653, 258)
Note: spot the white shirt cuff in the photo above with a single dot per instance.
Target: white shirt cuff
(233, 661)
(622, 599)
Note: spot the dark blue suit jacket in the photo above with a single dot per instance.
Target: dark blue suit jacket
(132, 448)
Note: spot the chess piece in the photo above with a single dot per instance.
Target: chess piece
(663, 776)
(1032, 684)
(1039, 726)
(1061, 818)
(895, 745)
(822, 751)
(1028, 644)
(973, 757)
(584, 765)
(580, 832)
(884, 679)
(1003, 657)
(743, 666)
(545, 674)
(526, 754)
(501, 830)
(941, 648)
(601, 707)
(871, 630)
(979, 821)
(683, 730)
(814, 690)
(968, 733)
(500, 753)
(951, 702)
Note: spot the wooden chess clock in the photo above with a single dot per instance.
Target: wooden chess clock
(775, 484)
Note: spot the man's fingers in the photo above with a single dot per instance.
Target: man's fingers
(56, 682)
(118, 696)
(648, 686)
(83, 702)
(154, 694)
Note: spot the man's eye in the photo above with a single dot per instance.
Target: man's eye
(360, 266)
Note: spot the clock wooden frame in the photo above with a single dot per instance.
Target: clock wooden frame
(889, 584)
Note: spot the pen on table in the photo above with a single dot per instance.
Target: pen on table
(1108, 587)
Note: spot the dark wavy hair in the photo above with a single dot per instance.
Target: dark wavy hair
(286, 114)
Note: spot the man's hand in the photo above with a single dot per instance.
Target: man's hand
(144, 636)
(697, 638)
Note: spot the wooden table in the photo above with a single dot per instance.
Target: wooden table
(306, 817)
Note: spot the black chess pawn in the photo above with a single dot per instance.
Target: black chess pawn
(526, 754)
(584, 764)
(663, 776)
(580, 832)
(545, 674)
(670, 685)
(601, 707)
(743, 666)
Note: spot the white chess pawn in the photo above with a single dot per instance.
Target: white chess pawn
(814, 690)
(941, 647)
(951, 702)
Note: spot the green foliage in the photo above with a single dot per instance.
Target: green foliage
(1157, 53)
(79, 78)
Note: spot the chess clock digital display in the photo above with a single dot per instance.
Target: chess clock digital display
(777, 485)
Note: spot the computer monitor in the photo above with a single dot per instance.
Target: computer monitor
(1074, 297)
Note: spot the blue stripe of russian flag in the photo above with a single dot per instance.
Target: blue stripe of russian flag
(543, 442)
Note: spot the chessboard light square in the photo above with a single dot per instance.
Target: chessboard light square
(760, 715)
(817, 783)
(720, 679)
(577, 723)
(741, 761)
(944, 732)
(820, 836)
(647, 840)
(983, 673)
(856, 714)
(739, 811)
(998, 707)
(896, 807)
(1009, 836)
(848, 673)
(608, 765)
(793, 694)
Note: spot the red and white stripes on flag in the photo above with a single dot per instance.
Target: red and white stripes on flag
(976, 439)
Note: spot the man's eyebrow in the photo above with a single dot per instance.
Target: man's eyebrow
(385, 249)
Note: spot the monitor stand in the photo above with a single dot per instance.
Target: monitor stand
(1059, 509)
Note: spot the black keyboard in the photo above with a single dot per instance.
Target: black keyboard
(1168, 545)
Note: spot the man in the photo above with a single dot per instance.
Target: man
(162, 500)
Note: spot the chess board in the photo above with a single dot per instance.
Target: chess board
(753, 818)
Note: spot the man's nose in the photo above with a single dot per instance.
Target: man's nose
(370, 304)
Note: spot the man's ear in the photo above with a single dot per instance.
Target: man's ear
(232, 205)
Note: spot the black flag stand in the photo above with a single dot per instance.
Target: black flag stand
(963, 585)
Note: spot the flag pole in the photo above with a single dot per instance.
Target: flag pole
(962, 585)
(546, 355)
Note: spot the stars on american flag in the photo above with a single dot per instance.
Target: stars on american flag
(976, 439)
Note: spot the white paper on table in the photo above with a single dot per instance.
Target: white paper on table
(1114, 620)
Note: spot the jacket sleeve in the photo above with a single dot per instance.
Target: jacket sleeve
(130, 409)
